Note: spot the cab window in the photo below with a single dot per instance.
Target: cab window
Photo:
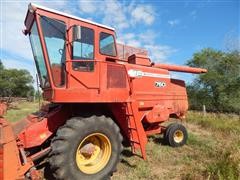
(107, 44)
(83, 50)
(54, 36)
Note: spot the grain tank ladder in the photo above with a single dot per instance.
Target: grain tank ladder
(137, 135)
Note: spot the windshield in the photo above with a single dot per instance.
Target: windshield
(54, 36)
(38, 57)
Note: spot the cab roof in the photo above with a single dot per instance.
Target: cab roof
(33, 6)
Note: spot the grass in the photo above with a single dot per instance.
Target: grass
(218, 122)
(212, 151)
(19, 110)
(225, 167)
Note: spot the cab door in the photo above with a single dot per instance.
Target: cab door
(84, 69)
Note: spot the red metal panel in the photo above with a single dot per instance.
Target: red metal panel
(10, 160)
(139, 59)
(116, 76)
(158, 113)
(1, 161)
(37, 132)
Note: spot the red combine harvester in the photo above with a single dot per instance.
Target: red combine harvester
(100, 94)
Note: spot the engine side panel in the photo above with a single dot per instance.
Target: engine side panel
(157, 93)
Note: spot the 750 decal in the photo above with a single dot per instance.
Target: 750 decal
(160, 84)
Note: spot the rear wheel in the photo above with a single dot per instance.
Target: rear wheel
(165, 136)
(86, 148)
(176, 135)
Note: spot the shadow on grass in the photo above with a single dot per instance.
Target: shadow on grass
(126, 153)
(158, 140)
(125, 162)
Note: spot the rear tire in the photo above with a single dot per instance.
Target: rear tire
(165, 136)
(86, 148)
(176, 135)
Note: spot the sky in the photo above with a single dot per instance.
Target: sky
(171, 31)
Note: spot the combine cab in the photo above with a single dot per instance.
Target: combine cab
(100, 93)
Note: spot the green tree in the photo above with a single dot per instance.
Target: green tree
(14, 82)
(1, 65)
(219, 88)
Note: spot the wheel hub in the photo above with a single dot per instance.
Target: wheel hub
(87, 149)
(178, 136)
(93, 153)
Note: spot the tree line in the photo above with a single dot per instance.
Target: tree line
(15, 83)
(219, 88)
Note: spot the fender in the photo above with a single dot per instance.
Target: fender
(35, 130)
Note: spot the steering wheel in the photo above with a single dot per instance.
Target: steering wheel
(60, 51)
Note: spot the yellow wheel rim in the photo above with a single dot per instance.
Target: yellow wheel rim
(178, 136)
(93, 153)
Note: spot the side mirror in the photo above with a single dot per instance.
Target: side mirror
(76, 33)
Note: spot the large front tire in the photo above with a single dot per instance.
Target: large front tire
(86, 148)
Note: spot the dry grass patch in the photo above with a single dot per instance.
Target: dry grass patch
(19, 110)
